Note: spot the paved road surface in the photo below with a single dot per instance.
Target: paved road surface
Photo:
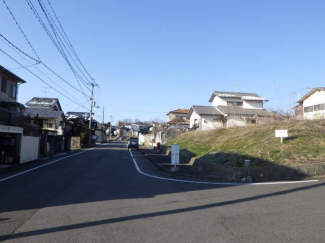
(99, 196)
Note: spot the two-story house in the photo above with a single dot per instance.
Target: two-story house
(47, 113)
(11, 117)
(228, 109)
(178, 119)
(312, 105)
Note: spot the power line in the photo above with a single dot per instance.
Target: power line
(126, 109)
(18, 49)
(21, 29)
(65, 38)
(30, 4)
(76, 55)
(38, 17)
(57, 33)
(38, 77)
(15, 48)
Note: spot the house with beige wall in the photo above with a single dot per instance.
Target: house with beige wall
(178, 119)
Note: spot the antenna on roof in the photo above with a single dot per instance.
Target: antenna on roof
(45, 91)
(236, 86)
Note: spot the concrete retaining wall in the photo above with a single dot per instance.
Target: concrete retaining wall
(262, 173)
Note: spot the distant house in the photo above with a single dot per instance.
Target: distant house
(136, 129)
(178, 119)
(228, 109)
(312, 105)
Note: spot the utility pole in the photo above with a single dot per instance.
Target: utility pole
(103, 131)
(91, 111)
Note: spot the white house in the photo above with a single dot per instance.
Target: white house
(228, 109)
(313, 104)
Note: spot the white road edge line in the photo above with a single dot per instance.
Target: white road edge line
(216, 183)
(24, 172)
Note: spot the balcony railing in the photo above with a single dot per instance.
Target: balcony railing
(11, 118)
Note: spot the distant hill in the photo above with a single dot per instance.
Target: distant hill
(305, 144)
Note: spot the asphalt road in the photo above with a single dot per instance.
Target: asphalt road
(99, 196)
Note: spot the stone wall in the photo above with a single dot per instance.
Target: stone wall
(262, 173)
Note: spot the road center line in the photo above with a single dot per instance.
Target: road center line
(24, 172)
(215, 183)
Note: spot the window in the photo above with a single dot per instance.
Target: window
(309, 109)
(47, 124)
(319, 107)
(234, 103)
(13, 91)
(4, 84)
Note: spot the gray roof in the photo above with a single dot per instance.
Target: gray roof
(14, 77)
(43, 102)
(226, 94)
(310, 93)
(235, 110)
(205, 110)
(74, 115)
(42, 112)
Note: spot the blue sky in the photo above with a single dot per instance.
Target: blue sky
(150, 57)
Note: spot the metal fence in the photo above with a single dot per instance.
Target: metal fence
(11, 118)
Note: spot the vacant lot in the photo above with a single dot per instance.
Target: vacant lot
(305, 144)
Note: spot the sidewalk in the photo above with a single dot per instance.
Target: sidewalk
(163, 162)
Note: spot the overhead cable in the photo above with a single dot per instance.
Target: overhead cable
(42, 80)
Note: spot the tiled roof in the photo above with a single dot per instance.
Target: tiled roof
(13, 76)
(179, 122)
(42, 112)
(235, 110)
(179, 111)
(310, 93)
(206, 110)
(46, 102)
(74, 115)
(241, 95)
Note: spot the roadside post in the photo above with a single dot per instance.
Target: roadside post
(281, 134)
(175, 157)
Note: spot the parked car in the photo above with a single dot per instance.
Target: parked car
(133, 143)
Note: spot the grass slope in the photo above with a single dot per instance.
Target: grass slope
(305, 144)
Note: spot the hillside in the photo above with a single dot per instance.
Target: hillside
(305, 144)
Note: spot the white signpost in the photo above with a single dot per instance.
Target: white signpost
(175, 156)
(281, 134)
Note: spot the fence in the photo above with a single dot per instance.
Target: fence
(11, 118)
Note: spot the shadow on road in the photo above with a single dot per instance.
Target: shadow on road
(156, 214)
(105, 173)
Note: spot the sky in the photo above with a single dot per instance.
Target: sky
(150, 57)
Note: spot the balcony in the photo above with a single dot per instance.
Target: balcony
(11, 118)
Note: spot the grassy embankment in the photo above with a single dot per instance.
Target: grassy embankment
(305, 144)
